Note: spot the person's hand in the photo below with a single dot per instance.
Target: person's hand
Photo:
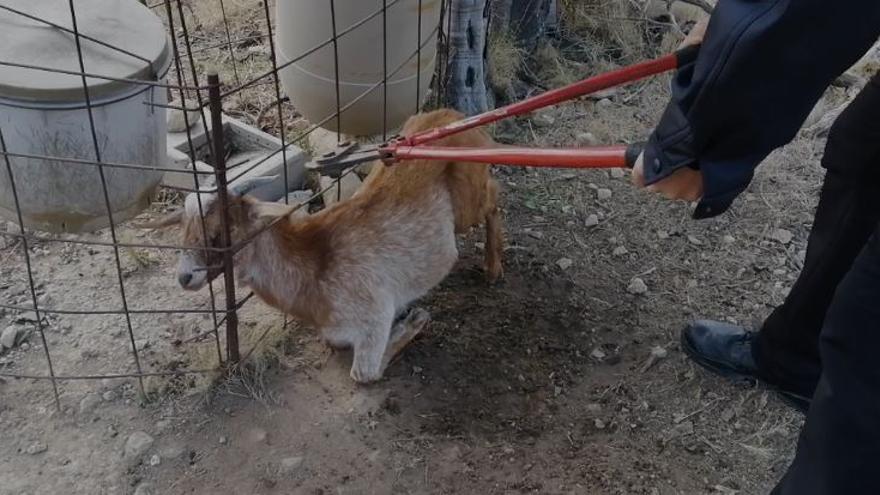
(684, 184)
(695, 36)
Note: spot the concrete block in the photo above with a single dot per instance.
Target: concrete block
(250, 152)
(185, 180)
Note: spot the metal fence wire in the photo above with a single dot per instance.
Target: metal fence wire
(194, 89)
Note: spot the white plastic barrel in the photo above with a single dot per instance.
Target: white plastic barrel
(45, 114)
(311, 81)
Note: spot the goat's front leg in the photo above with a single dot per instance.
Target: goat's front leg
(369, 346)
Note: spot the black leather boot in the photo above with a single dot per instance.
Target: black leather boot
(726, 350)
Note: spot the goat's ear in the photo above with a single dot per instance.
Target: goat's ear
(173, 218)
(244, 186)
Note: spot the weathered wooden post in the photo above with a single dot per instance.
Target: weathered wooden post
(466, 90)
(470, 23)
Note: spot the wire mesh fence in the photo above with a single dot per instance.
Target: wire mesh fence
(205, 83)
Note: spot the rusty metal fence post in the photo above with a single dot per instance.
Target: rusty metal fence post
(215, 101)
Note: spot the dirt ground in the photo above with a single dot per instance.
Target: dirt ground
(543, 384)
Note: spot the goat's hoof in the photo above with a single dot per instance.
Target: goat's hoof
(495, 275)
(365, 377)
(417, 319)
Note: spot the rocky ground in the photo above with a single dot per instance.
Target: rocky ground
(566, 378)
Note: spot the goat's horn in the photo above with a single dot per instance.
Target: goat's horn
(172, 218)
(244, 186)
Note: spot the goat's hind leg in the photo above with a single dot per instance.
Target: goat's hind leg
(494, 236)
(403, 332)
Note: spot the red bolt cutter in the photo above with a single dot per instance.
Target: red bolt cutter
(414, 147)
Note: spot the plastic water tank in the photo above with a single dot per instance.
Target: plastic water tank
(44, 113)
(311, 83)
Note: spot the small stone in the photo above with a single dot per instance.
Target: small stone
(600, 425)
(109, 396)
(480, 246)
(604, 93)
(617, 173)
(223, 440)
(564, 263)
(142, 344)
(728, 239)
(594, 407)
(598, 354)
(258, 50)
(258, 436)
(586, 139)
(87, 354)
(155, 460)
(659, 352)
(728, 414)
(543, 119)
(36, 448)
(172, 451)
(89, 403)
(144, 489)
(620, 251)
(25, 346)
(604, 103)
(637, 286)
(782, 236)
(27, 317)
(603, 194)
(9, 336)
(662, 235)
(682, 429)
(289, 465)
(592, 220)
(137, 445)
(693, 240)
(44, 301)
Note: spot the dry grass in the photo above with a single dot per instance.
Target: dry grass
(600, 30)
(264, 347)
(141, 259)
(505, 61)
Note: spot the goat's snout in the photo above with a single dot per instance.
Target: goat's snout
(190, 273)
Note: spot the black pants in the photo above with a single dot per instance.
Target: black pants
(787, 351)
(824, 341)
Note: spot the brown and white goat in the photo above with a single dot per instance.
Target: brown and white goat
(351, 270)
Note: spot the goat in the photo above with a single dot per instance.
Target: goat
(352, 270)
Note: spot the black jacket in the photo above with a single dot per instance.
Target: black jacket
(761, 68)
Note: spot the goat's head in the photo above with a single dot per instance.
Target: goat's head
(201, 223)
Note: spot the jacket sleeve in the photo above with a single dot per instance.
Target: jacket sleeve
(762, 66)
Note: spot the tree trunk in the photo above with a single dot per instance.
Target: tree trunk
(466, 90)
